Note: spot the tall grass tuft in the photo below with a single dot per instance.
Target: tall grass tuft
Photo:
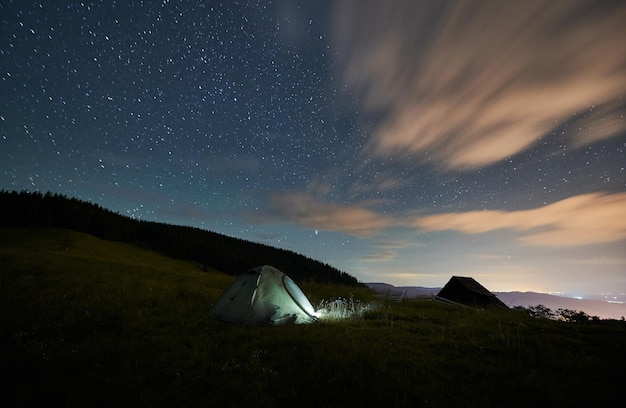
(343, 309)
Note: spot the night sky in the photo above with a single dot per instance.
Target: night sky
(401, 142)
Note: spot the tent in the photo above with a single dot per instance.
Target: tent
(264, 295)
(468, 292)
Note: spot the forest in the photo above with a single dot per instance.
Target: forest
(210, 249)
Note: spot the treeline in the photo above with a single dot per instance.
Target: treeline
(221, 252)
(564, 315)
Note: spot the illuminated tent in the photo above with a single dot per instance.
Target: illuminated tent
(264, 295)
(468, 292)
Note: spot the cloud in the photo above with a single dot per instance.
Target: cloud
(382, 256)
(601, 122)
(602, 261)
(381, 182)
(387, 249)
(469, 83)
(307, 211)
(492, 257)
(593, 218)
(584, 219)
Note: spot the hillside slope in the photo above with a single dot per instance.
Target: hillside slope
(89, 322)
(51, 256)
(227, 254)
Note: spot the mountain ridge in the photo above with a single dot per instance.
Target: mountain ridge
(593, 307)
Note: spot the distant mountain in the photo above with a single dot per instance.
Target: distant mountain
(602, 309)
(402, 292)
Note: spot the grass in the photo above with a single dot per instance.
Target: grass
(86, 322)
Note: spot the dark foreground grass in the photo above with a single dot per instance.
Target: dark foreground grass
(86, 322)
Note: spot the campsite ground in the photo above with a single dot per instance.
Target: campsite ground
(87, 322)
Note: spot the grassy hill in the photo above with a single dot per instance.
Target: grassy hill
(211, 249)
(89, 322)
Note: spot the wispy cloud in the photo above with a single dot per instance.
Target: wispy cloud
(584, 219)
(469, 84)
(593, 218)
(308, 211)
(492, 257)
(382, 256)
(387, 249)
(600, 122)
(602, 261)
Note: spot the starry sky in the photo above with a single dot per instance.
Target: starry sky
(400, 141)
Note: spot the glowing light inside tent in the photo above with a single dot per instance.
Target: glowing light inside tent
(298, 296)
